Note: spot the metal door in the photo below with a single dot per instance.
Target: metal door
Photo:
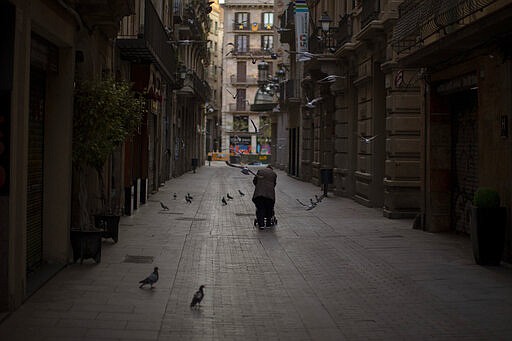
(35, 175)
(464, 157)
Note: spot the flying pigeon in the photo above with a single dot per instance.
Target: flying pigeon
(174, 196)
(229, 197)
(241, 193)
(224, 202)
(151, 279)
(198, 297)
(367, 139)
(311, 104)
(164, 207)
(187, 199)
(329, 79)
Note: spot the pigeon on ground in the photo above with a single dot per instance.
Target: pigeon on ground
(175, 196)
(224, 202)
(151, 279)
(164, 207)
(241, 193)
(312, 202)
(189, 201)
(318, 199)
(189, 196)
(198, 297)
(229, 197)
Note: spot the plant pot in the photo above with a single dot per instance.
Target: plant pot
(86, 244)
(488, 234)
(109, 224)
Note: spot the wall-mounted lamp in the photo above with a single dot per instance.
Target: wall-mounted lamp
(263, 68)
(325, 22)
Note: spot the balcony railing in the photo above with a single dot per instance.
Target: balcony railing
(142, 38)
(250, 51)
(371, 10)
(420, 19)
(239, 107)
(252, 27)
(318, 41)
(238, 80)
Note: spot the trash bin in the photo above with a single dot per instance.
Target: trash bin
(326, 178)
(194, 164)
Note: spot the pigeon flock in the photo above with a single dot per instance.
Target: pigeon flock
(312, 203)
(153, 278)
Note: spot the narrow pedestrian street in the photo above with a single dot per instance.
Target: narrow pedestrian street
(340, 271)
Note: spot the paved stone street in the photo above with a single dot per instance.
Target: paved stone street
(338, 272)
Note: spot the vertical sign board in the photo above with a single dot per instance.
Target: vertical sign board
(301, 27)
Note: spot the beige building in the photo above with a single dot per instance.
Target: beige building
(249, 40)
(214, 78)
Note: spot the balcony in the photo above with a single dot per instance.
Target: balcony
(419, 20)
(142, 38)
(237, 80)
(239, 107)
(253, 27)
(328, 40)
(250, 52)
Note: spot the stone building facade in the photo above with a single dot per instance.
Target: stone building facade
(415, 120)
(249, 39)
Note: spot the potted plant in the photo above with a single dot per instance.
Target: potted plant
(106, 112)
(488, 222)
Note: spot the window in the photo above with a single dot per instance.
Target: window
(268, 20)
(242, 43)
(267, 42)
(241, 21)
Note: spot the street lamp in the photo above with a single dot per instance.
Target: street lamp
(325, 22)
(262, 73)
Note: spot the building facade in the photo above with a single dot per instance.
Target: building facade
(249, 41)
(214, 77)
(45, 45)
(415, 87)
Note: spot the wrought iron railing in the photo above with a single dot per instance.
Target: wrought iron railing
(420, 19)
(142, 36)
(234, 107)
(237, 79)
(252, 27)
(370, 12)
